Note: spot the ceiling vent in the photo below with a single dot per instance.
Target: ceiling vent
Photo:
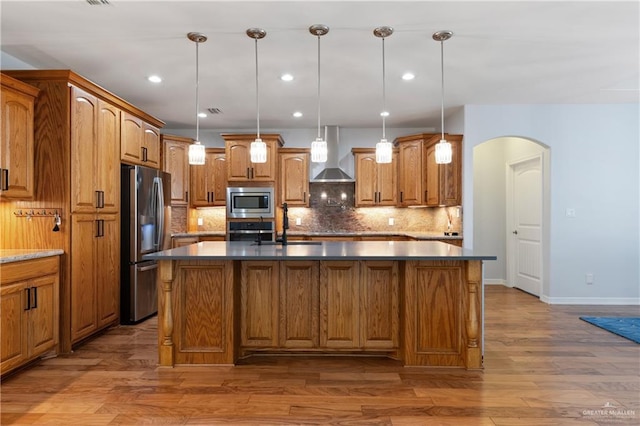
(98, 2)
(214, 110)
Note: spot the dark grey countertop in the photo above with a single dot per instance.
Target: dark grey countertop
(411, 234)
(347, 250)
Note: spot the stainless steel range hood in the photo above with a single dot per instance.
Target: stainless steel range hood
(332, 172)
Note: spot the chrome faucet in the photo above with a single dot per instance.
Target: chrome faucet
(285, 225)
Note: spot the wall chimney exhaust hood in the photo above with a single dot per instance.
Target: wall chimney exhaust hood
(332, 173)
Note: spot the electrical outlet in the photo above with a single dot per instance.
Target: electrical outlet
(298, 221)
(589, 279)
(200, 221)
(392, 221)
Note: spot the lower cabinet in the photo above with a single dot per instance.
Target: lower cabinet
(29, 302)
(95, 273)
(319, 305)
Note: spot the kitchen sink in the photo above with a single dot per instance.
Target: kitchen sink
(289, 243)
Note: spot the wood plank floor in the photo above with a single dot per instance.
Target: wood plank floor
(543, 366)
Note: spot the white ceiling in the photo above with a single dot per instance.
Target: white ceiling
(502, 53)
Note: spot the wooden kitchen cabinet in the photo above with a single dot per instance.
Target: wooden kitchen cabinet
(95, 142)
(339, 304)
(239, 165)
(95, 273)
(294, 176)
(29, 302)
(379, 305)
(140, 143)
(175, 160)
(423, 182)
(443, 182)
(17, 146)
(209, 181)
(299, 305)
(376, 184)
(259, 293)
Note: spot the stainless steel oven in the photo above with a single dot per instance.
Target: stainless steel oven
(250, 202)
(263, 230)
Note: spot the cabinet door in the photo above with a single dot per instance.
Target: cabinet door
(176, 162)
(16, 148)
(299, 304)
(366, 180)
(43, 330)
(217, 164)
(107, 158)
(451, 174)
(132, 135)
(84, 107)
(387, 183)
(84, 229)
(259, 304)
(13, 326)
(409, 173)
(294, 179)
(150, 146)
(266, 172)
(200, 195)
(379, 305)
(238, 164)
(107, 270)
(432, 177)
(339, 300)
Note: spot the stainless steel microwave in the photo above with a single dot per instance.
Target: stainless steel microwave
(250, 202)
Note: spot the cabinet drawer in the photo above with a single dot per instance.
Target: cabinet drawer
(30, 268)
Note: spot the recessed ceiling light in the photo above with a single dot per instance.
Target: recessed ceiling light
(286, 77)
(384, 114)
(297, 114)
(154, 79)
(202, 115)
(408, 76)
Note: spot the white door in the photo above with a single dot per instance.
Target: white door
(524, 221)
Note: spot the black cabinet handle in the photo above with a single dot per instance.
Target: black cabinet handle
(144, 154)
(97, 199)
(426, 196)
(35, 297)
(304, 197)
(99, 228)
(5, 179)
(186, 196)
(401, 193)
(248, 173)
(28, 306)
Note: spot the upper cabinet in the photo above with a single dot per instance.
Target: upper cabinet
(443, 182)
(423, 182)
(140, 142)
(209, 181)
(95, 167)
(239, 165)
(294, 176)
(375, 183)
(175, 160)
(16, 149)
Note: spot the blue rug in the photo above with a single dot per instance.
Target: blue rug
(627, 327)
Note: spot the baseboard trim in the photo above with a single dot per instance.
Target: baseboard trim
(495, 281)
(628, 301)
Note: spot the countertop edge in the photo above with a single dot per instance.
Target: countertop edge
(18, 255)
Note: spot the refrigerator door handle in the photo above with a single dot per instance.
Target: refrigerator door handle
(148, 268)
(159, 211)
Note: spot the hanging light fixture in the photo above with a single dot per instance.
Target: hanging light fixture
(196, 149)
(443, 148)
(319, 146)
(384, 150)
(258, 149)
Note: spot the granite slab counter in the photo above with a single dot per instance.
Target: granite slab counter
(296, 250)
(17, 255)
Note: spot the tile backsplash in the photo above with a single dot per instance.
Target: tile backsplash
(335, 212)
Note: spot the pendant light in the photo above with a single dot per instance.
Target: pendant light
(319, 146)
(384, 151)
(443, 148)
(196, 149)
(258, 149)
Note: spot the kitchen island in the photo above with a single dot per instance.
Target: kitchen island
(416, 301)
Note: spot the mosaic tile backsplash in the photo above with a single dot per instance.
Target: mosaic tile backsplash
(336, 213)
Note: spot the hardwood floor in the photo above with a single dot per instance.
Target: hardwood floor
(543, 366)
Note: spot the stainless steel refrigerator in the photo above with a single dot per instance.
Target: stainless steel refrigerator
(146, 220)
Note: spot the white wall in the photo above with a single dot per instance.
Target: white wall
(594, 170)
